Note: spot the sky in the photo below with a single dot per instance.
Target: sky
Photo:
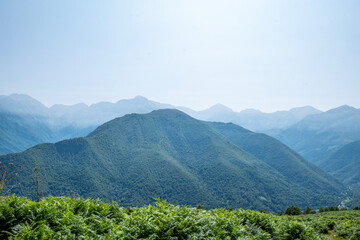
(264, 54)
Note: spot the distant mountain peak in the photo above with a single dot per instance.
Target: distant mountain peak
(22, 104)
(345, 106)
(22, 97)
(61, 106)
(220, 108)
(251, 111)
(139, 97)
(343, 109)
(304, 108)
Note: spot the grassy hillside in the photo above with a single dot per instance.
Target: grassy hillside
(166, 154)
(77, 218)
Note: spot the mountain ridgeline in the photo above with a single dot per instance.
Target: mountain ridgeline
(29, 122)
(168, 154)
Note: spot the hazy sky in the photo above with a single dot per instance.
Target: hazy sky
(269, 54)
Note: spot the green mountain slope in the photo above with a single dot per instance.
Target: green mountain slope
(277, 155)
(166, 154)
(344, 164)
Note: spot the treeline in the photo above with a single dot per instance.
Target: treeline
(294, 210)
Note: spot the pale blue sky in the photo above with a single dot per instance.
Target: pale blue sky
(269, 54)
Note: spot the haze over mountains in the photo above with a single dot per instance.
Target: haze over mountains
(168, 154)
(35, 123)
(96, 114)
(255, 120)
(318, 136)
(26, 122)
(344, 164)
(310, 132)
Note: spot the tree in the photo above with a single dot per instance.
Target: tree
(293, 210)
(308, 210)
(37, 183)
(7, 175)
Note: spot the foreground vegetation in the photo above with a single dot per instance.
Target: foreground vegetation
(77, 218)
(339, 224)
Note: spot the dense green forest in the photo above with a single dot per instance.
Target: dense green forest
(77, 218)
(279, 156)
(170, 155)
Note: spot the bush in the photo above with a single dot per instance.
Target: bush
(293, 210)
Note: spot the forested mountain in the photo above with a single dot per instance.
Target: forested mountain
(318, 136)
(344, 164)
(168, 154)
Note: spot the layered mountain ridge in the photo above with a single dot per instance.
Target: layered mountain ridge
(317, 136)
(62, 122)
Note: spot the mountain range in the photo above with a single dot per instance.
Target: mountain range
(170, 155)
(255, 120)
(26, 122)
(36, 123)
(317, 136)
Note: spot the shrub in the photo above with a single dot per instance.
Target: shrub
(293, 210)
